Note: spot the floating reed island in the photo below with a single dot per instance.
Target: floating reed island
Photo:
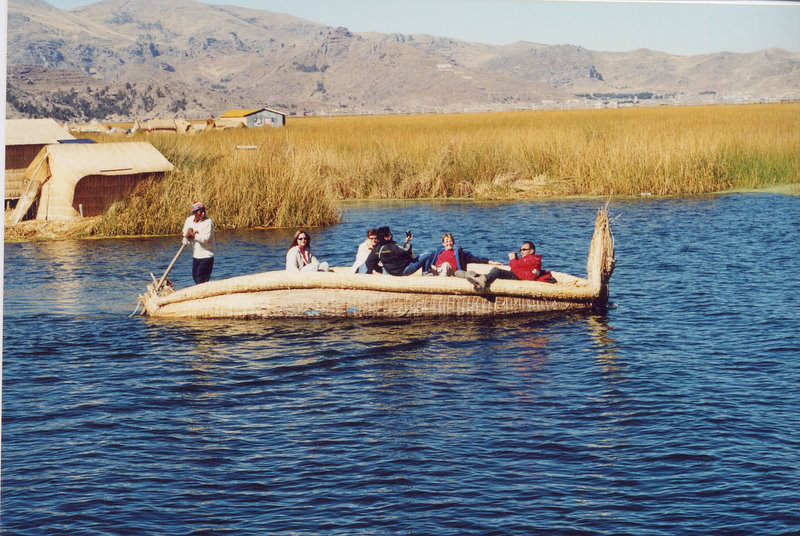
(281, 294)
(296, 175)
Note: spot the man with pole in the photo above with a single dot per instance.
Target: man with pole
(199, 230)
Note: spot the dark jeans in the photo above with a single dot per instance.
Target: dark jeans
(201, 269)
(417, 264)
(499, 273)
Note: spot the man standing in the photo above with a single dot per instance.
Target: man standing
(199, 229)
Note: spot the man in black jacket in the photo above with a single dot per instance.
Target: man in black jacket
(395, 259)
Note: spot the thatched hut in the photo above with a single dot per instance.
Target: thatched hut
(226, 123)
(161, 125)
(24, 140)
(92, 127)
(75, 180)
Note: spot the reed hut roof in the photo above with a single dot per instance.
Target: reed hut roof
(161, 124)
(35, 132)
(92, 127)
(65, 166)
(228, 122)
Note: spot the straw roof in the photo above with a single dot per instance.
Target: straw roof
(35, 132)
(227, 122)
(161, 124)
(68, 164)
(92, 127)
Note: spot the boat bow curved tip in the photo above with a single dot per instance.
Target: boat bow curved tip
(600, 263)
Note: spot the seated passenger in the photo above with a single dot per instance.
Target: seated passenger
(447, 260)
(360, 266)
(396, 259)
(299, 257)
(527, 268)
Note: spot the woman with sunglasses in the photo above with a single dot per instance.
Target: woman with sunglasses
(299, 257)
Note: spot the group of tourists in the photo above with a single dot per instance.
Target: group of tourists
(379, 253)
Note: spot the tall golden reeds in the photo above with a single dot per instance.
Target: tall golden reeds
(296, 173)
(244, 178)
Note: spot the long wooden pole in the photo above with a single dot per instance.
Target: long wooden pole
(169, 268)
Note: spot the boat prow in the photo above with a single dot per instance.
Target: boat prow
(341, 293)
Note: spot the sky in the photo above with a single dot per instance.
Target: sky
(683, 27)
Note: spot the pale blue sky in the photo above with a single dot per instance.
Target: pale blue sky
(678, 27)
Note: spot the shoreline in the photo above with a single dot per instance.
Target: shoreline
(50, 231)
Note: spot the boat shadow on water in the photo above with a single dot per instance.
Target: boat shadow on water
(335, 340)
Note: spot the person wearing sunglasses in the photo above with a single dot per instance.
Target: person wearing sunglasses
(364, 249)
(299, 257)
(525, 266)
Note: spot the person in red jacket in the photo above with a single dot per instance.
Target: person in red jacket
(526, 266)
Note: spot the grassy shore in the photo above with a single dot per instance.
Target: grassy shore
(292, 176)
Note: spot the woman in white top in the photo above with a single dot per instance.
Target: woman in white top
(299, 257)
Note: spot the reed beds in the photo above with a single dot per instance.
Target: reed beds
(242, 188)
(296, 174)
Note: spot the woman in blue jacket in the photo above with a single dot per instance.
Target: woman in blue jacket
(447, 260)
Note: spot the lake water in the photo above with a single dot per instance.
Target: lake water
(676, 412)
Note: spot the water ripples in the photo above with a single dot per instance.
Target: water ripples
(674, 413)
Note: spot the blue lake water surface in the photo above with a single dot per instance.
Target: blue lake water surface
(676, 412)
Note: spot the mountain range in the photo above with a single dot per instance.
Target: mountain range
(127, 59)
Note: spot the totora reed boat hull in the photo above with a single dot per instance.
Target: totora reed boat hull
(280, 294)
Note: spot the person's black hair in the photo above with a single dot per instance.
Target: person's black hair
(383, 234)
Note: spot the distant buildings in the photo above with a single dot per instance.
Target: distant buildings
(50, 175)
(259, 117)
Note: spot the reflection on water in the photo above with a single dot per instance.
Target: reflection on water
(59, 267)
(307, 338)
(649, 419)
(605, 345)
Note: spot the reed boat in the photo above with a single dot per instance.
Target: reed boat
(340, 293)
